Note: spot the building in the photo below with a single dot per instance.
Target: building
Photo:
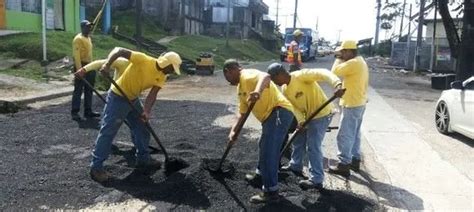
(25, 15)
(246, 17)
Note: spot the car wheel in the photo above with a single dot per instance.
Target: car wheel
(442, 117)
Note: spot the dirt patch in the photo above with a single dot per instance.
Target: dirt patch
(44, 166)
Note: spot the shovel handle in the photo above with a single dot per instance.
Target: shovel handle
(147, 124)
(290, 141)
(238, 128)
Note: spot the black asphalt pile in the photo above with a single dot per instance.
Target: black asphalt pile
(44, 159)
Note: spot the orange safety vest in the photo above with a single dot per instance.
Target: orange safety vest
(293, 47)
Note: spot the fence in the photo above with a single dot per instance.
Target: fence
(403, 55)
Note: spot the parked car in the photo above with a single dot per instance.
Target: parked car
(455, 109)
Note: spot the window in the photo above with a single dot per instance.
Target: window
(32, 6)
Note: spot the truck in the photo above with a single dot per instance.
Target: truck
(308, 49)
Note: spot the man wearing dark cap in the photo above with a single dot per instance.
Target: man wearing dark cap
(301, 88)
(274, 111)
(82, 55)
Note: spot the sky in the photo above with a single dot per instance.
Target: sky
(343, 19)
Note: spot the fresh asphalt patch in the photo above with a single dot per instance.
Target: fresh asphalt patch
(45, 156)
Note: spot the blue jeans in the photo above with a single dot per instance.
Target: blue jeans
(115, 112)
(348, 138)
(79, 87)
(274, 130)
(312, 137)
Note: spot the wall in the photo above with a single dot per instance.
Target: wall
(71, 12)
(28, 21)
(17, 20)
(2, 14)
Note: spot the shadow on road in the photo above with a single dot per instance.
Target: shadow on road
(391, 195)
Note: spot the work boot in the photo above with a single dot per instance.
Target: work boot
(75, 116)
(149, 164)
(266, 197)
(253, 177)
(341, 169)
(355, 165)
(308, 184)
(288, 168)
(99, 175)
(91, 114)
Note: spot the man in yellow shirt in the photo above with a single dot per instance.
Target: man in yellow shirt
(274, 111)
(301, 88)
(82, 55)
(143, 72)
(355, 78)
(119, 65)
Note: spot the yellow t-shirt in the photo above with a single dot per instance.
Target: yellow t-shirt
(141, 74)
(306, 95)
(81, 50)
(337, 61)
(355, 74)
(270, 98)
(119, 65)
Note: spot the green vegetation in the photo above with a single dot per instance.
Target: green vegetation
(59, 45)
(125, 20)
(190, 46)
(33, 71)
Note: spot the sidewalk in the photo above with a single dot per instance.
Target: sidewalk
(405, 171)
(24, 91)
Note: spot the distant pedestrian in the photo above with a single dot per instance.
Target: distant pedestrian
(294, 53)
(302, 89)
(355, 78)
(143, 72)
(82, 55)
(274, 111)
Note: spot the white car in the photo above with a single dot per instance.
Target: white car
(455, 109)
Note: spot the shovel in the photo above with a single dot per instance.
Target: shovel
(238, 128)
(171, 164)
(105, 102)
(290, 141)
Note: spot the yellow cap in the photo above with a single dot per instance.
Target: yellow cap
(170, 58)
(297, 32)
(338, 49)
(349, 44)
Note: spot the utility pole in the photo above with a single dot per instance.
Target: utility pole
(377, 24)
(296, 15)
(433, 40)
(419, 38)
(138, 22)
(278, 8)
(401, 23)
(407, 60)
(43, 18)
(227, 25)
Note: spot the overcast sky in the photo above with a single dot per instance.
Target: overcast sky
(353, 19)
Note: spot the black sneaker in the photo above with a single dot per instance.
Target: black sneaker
(355, 165)
(341, 169)
(253, 177)
(266, 197)
(91, 114)
(288, 168)
(99, 175)
(75, 116)
(308, 184)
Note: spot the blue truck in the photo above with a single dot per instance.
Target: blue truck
(308, 48)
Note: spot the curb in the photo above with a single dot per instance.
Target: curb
(47, 95)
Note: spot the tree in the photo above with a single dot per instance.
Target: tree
(461, 48)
